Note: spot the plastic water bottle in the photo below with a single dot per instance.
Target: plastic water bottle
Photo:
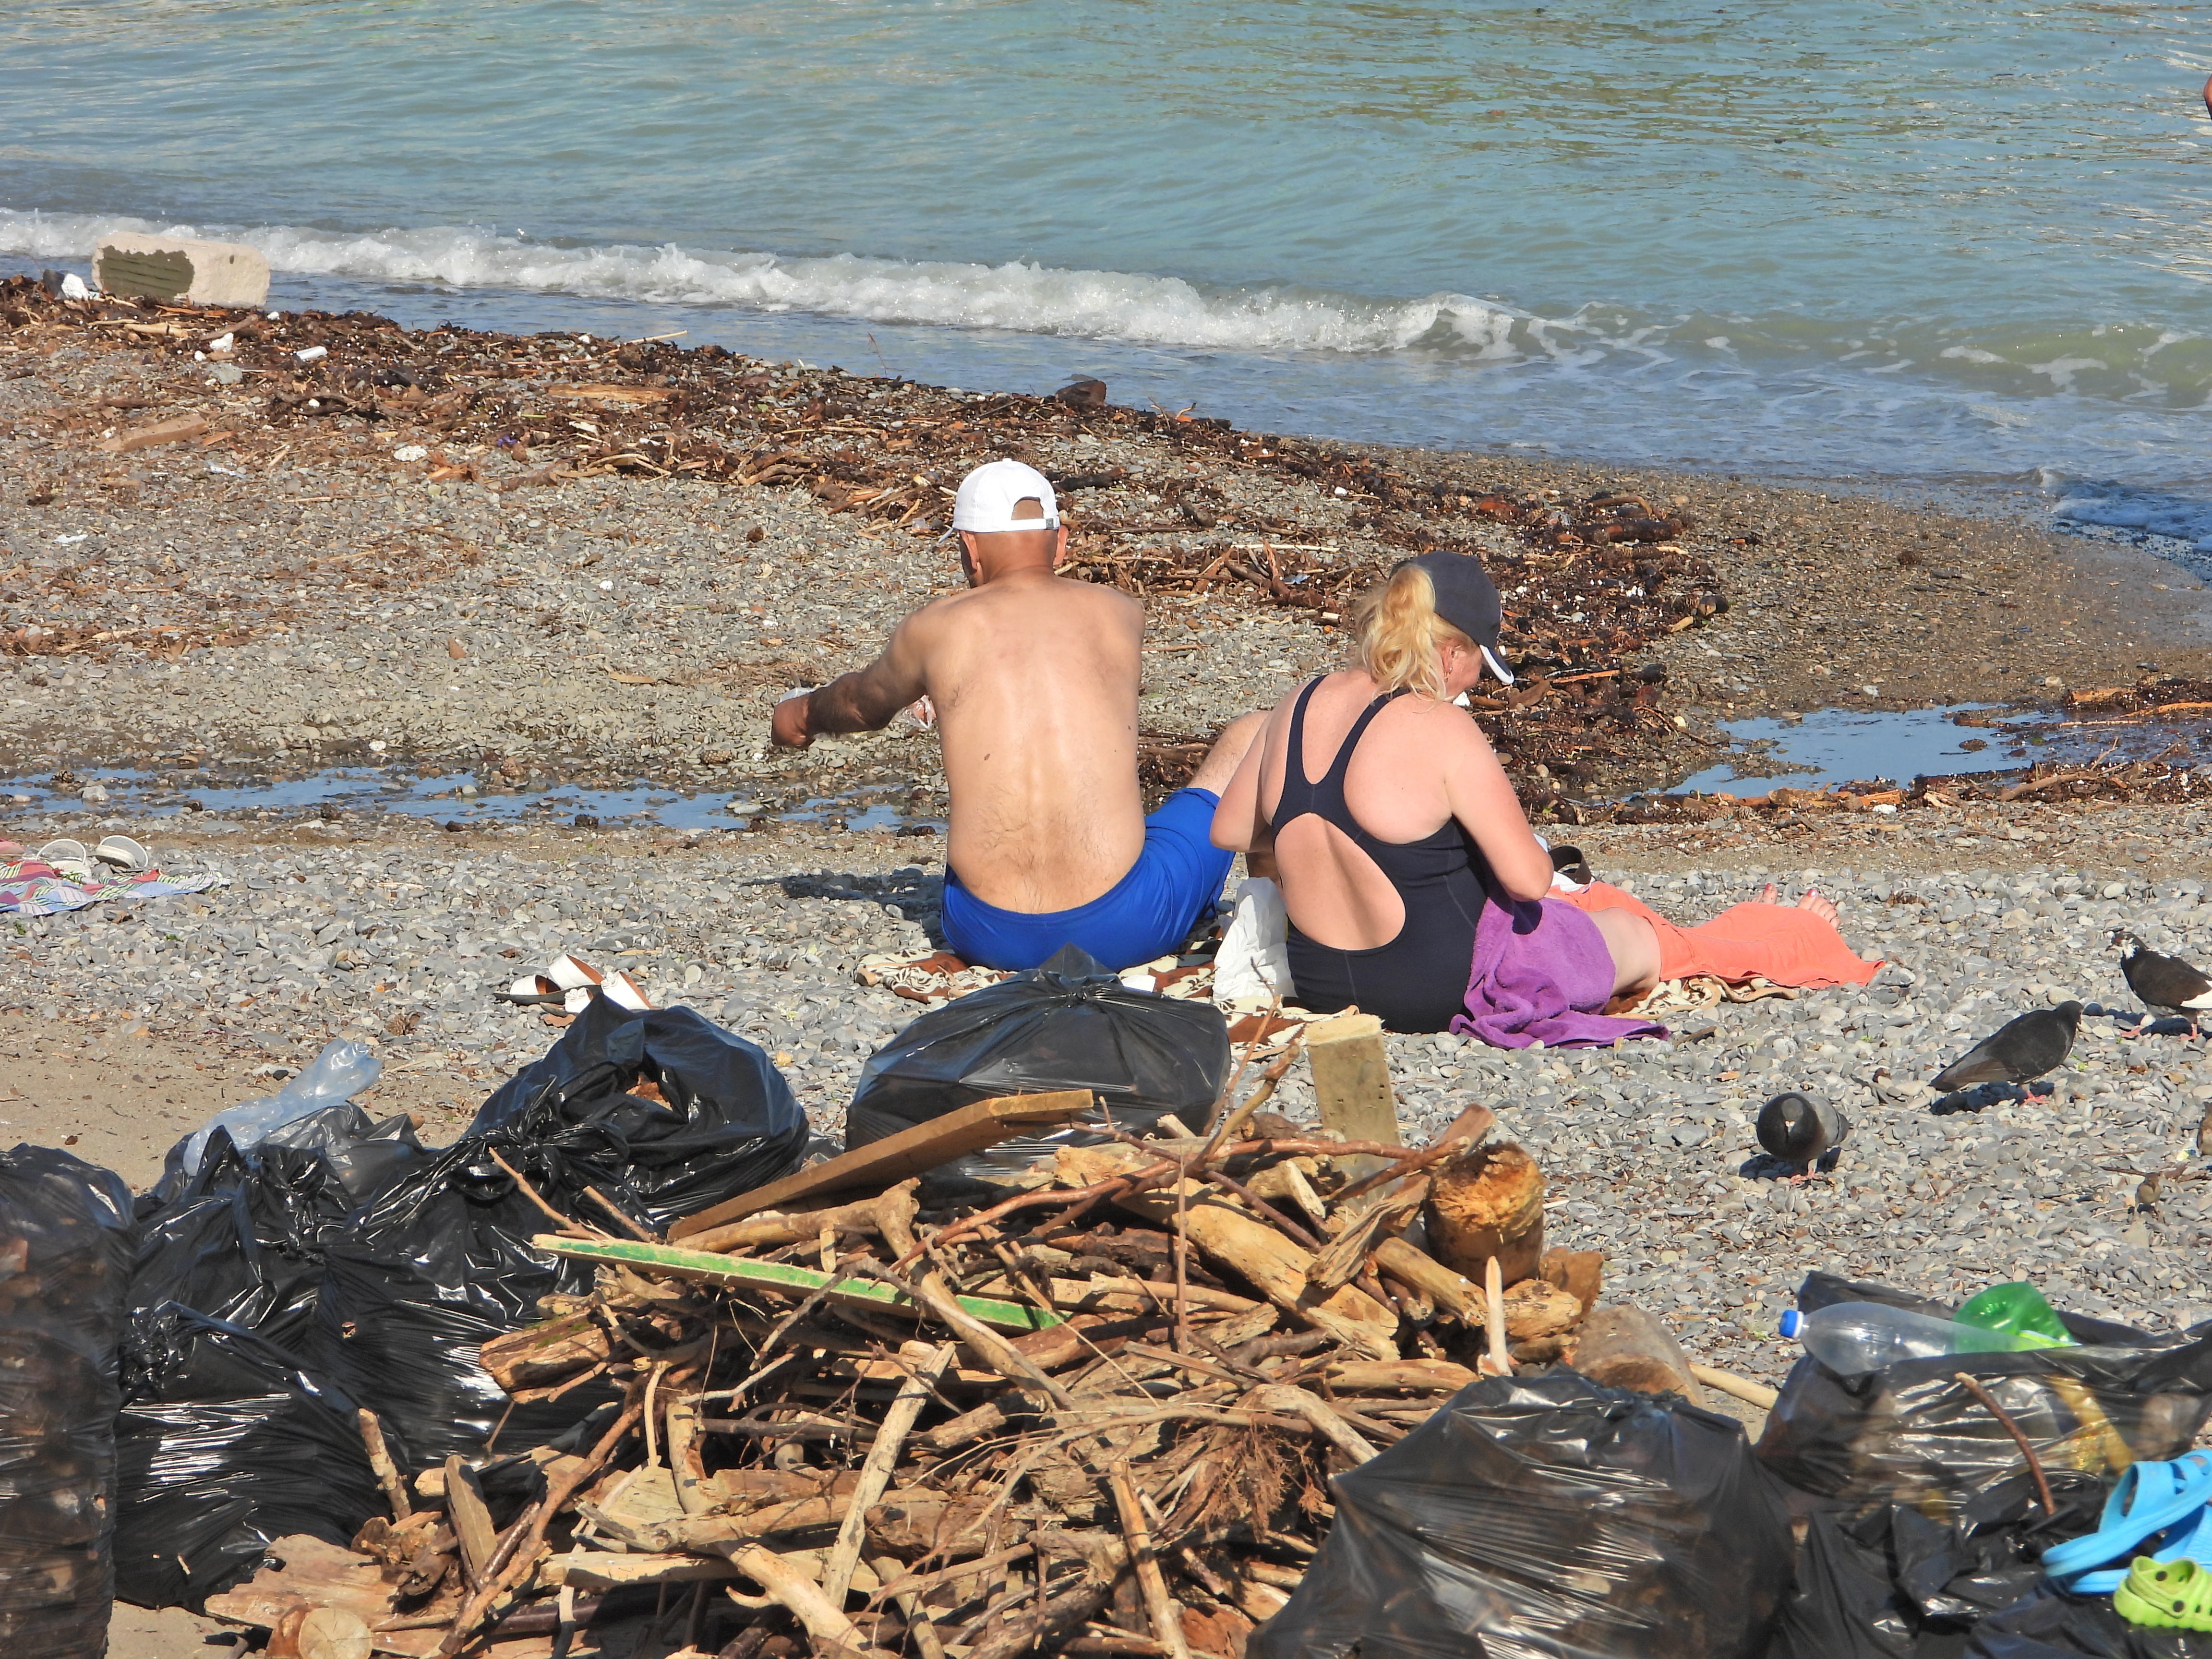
(2017, 1308)
(1853, 1338)
(341, 1071)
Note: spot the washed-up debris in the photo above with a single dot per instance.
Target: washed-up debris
(1587, 584)
(1094, 1412)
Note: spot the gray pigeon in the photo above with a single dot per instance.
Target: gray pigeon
(1801, 1129)
(2167, 984)
(2019, 1051)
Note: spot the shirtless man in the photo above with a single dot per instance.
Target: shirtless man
(1034, 680)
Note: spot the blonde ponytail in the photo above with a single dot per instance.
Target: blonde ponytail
(1399, 631)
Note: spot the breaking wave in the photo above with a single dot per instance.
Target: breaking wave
(1991, 370)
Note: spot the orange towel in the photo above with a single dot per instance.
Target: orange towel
(1778, 943)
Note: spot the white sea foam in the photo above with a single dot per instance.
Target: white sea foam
(1105, 305)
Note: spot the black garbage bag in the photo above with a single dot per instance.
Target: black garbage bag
(1068, 1024)
(725, 1121)
(2050, 1624)
(1923, 1519)
(226, 1443)
(420, 1281)
(1546, 1515)
(241, 1240)
(65, 1251)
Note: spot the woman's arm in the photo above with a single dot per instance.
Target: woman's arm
(1238, 824)
(1482, 799)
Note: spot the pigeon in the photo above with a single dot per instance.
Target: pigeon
(1801, 1129)
(2204, 1136)
(2167, 984)
(2018, 1051)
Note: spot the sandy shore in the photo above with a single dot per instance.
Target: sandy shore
(291, 596)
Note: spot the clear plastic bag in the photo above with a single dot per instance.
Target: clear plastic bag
(341, 1071)
(1924, 1525)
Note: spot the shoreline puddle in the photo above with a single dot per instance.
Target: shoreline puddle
(1836, 745)
(340, 794)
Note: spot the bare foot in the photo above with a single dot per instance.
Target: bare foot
(1770, 895)
(1819, 904)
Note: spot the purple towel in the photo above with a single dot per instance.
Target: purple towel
(1540, 970)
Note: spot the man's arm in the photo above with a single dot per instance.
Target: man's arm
(864, 701)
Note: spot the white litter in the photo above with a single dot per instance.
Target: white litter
(1254, 958)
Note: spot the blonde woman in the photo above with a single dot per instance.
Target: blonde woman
(1415, 887)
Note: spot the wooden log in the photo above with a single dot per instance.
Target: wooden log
(1346, 1255)
(1231, 1238)
(767, 1232)
(546, 1353)
(1488, 1203)
(1352, 1084)
(1581, 1273)
(605, 1569)
(913, 1151)
(1622, 1346)
(796, 1593)
(1535, 1309)
(1359, 1376)
(1166, 1618)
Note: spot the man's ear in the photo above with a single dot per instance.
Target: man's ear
(1059, 546)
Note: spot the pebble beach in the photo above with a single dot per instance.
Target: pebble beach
(277, 609)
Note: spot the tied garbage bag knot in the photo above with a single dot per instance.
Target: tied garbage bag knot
(1068, 1024)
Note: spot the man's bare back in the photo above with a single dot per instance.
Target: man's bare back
(1034, 680)
(1034, 677)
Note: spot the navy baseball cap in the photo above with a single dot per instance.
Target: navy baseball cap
(1467, 599)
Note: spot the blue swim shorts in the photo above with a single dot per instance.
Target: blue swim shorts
(1148, 913)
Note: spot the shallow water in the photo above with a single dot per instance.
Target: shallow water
(1922, 238)
(345, 793)
(1848, 745)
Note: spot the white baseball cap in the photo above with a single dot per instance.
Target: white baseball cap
(990, 495)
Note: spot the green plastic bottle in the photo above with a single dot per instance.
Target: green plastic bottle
(2020, 1309)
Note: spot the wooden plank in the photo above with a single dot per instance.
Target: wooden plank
(471, 1517)
(1351, 1086)
(880, 1163)
(705, 1267)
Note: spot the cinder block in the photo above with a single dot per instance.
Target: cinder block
(180, 268)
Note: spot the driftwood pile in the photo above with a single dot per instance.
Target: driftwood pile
(1098, 1415)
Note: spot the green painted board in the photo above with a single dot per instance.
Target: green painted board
(708, 1268)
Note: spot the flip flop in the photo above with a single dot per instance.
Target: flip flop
(121, 850)
(2165, 1500)
(2167, 1594)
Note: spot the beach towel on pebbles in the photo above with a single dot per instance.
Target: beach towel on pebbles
(32, 887)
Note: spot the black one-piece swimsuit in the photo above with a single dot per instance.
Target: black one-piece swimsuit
(1418, 982)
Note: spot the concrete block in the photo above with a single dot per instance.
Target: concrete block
(181, 268)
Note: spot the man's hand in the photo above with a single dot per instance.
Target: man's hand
(789, 728)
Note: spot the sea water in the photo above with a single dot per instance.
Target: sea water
(1945, 240)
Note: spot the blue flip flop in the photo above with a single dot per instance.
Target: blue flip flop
(2166, 1501)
